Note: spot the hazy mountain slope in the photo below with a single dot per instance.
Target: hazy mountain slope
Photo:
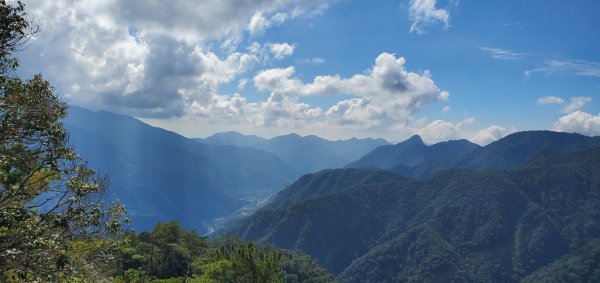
(327, 182)
(517, 148)
(235, 139)
(304, 154)
(413, 158)
(412, 152)
(160, 175)
(459, 225)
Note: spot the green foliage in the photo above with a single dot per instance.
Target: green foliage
(460, 225)
(251, 263)
(170, 254)
(581, 265)
(52, 217)
(15, 31)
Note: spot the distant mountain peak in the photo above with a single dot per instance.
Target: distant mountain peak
(414, 140)
(292, 135)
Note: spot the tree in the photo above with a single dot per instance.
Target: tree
(15, 32)
(250, 263)
(49, 199)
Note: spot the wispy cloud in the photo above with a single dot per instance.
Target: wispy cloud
(424, 13)
(502, 54)
(545, 100)
(573, 67)
(315, 61)
(576, 104)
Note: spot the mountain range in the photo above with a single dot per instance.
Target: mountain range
(415, 159)
(160, 175)
(303, 155)
(524, 208)
(412, 152)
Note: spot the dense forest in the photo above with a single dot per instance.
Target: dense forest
(538, 221)
(170, 254)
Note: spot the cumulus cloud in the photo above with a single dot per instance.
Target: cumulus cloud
(356, 111)
(579, 122)
(545, 100)
(148, 58)
(490, 134)
(277, 111)
(440, 130)
(285, 111)
(217, 108)
(281, 50)
(387, 88)
(502, 54)
(576, 104)
(259, 23)
(446, 109)
(424, 13)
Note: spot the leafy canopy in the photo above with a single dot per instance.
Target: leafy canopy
(49, 199)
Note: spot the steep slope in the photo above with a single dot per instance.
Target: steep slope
(235, 139)
(412, 152)
(459, 225)
(304, 154)
(413, 158)
(517, 148)
(160, 175)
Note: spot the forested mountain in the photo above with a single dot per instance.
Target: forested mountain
(413, 158)
(460, 225)
(160, 175)
(413, 151)
(303, 154)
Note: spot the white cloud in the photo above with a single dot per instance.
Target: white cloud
(446, 109)
(572, 67)
(576, 104)
(216, 108)
(356, 111)
(545, 100)
(579, 122)
(440, 130)
(502, 54)
(424, 13)
(490, 134)
(217, 71)
(277, 111)
(147, 58)
(315, 61)
(258, 24)
(242, 84)
(281, 50)
(284, 111)
(388, 87)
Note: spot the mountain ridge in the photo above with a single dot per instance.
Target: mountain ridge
(160, 175)
(508, 223)
(303, 154)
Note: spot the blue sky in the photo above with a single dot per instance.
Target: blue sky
(389, 68)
